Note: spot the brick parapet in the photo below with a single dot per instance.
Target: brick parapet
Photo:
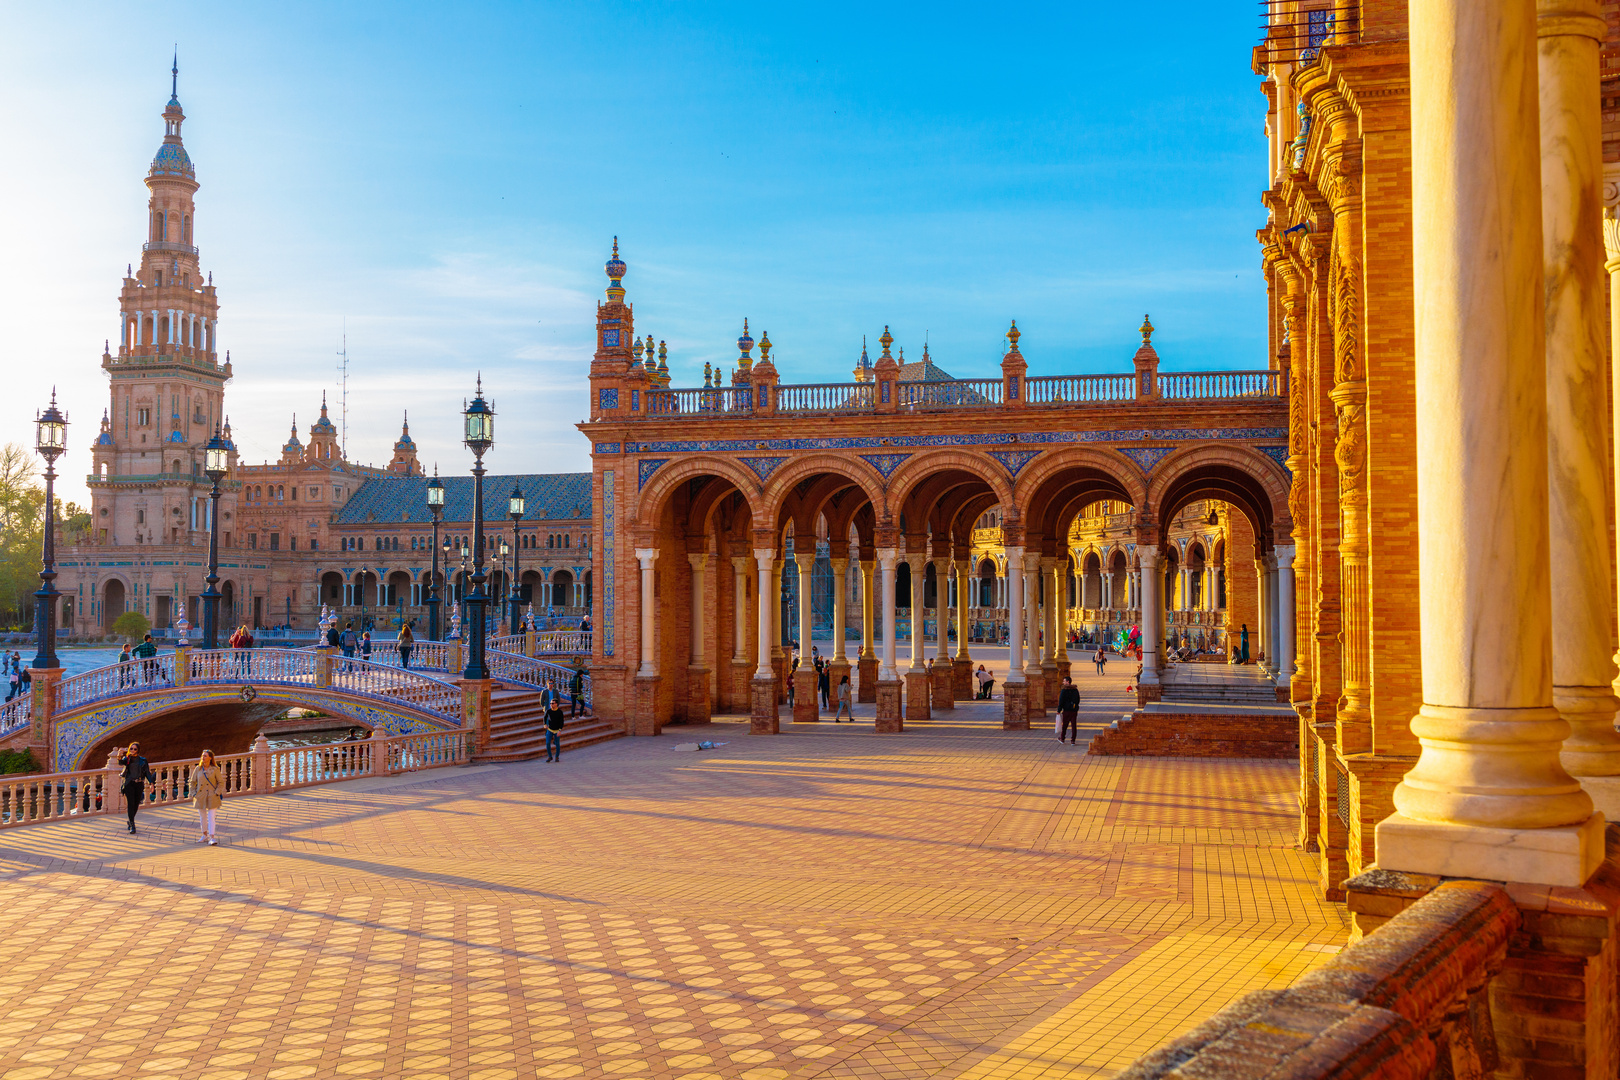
(1213, 735)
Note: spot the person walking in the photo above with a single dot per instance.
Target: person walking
(334, 638)
(208, 791)
(407, 641)
(347, 642)
(824, 681)
(554, 726)
(148, 654)
(126, 668)
(1101, 659)
(792, 682)
(137, 776)
(1068, 707)
(844, 703)
(365, 646)
(576, 689)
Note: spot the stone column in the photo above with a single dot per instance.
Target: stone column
(867, 662)
(888, 680)
(1015, 691)
(839, 664)
(742, 668)
(1035, 708)
(916, 676)
(699, 708)
(1147, 687)
(806, 707)
(963, 687)
(764, 718)
(1488, 797)
(1570, 34)
(1049, 622)
(649, 662)
(1287, 626)
(942, 673)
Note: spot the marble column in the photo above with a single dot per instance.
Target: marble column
(1287, 627)
(867, 663)
(739, 629)
(889, 717)
(1570, 34)
(1488, 797)
(1056, 587)
(962, 687)
(1152, 629)
(838, 665)
(806, 705)
(764, 717)
(916, 676)
(781, 662)
(699, 707)
(1015, 690)
(1033, 675)
(942, 673)
(649, 660)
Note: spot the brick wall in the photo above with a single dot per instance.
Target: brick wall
(1156, 734)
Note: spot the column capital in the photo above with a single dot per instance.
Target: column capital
(765, 557)
(805, 559)
(887, 557)
(740, 563)
(1570, 18)
(698, 559)
(1031, 563)
(839, 565)
(1149, 554)
(1284, 557)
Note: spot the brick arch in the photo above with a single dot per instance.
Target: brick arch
(651, 500)
(1239, 475)
(780, 487)
(1053, 463)
(919, 467)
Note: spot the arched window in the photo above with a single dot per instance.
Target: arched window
(157, 226)
(568, 541)
(185, 229)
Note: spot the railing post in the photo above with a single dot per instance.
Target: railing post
(453, 651)
(378, 744)
(1147, 364)
(323, 665)
(1014, 370)
(261, 766)
(112, 788)
(182, 665)
(530, 641)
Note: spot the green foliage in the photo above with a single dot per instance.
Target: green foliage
(131, 625)
(22, 513)
(13, 762)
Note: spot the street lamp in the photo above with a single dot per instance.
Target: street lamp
(479, 435)
(361, 586)
(435, 501)
(215, 466)
(514, 510)
(506, 550)
(50, 441)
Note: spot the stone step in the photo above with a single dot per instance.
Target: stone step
(525, 744)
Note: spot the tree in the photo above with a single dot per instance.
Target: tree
(22, 512)
(131, 625)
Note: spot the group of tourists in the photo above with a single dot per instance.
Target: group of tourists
(17, 675)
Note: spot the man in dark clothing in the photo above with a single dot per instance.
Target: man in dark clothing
(576, 690)
(1068, 707)
(137, 776)
(554, 726)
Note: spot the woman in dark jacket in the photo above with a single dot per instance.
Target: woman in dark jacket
(137, 777)
(1068, 707)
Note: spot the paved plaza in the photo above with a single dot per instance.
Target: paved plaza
(957, 901)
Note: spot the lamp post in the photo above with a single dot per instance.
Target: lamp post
(514, 510)
(50, 440)
(461, 598)
(435, 501)
(362, 588)
(479, 435)
(214, 465)
(506, 550)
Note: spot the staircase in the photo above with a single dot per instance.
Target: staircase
(1221, 684)
(517, 728)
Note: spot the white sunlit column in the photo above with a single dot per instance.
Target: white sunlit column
(963, 585)
(1060, 608)
(1488, 796)
(699, 563)
(766, 559)
(917, 565)
(942, 609)
(1032, 614)
(1015, 618)
(805, 562)
(840, 569)
(868, 610)
(1285, 616)
(887, 557)
(649, 662)
(739, 628)
(1148, 597)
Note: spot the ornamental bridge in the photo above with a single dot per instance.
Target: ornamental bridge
(182, 702)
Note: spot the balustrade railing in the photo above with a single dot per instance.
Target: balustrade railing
(700, 401)
(1214, 385)
(251, 666)
(393, 683)
(301, 766)
(1076, 389)
(540, 674)
(507, 643)
(568, 642)
(825, 398)
(151, 673)
(950, 394)
(25, 800)
(15, 714)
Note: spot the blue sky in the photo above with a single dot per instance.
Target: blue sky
(447, 179)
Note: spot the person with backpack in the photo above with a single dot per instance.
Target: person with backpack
(1101, 660)
(407, 641)
(1068, 707)
(576, 689)
(137, 776)
(347, 641)
(554, 726)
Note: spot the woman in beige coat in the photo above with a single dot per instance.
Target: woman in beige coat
(207, 788)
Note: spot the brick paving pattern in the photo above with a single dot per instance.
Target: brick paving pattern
(957, 902)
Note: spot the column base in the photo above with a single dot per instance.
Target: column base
(1065, 669)
(837, 669)
(916, 694)
(866, 679)
(806, 705)
(1015, 712)
(1566, 855)
(1146, 692)
(782, 667)
(962, 687)
(699, 706)
(887, 695)
(1605, 792)
(1034, 693)
(742, 672)
(1051, 679)
(942, 685)
(762, 716)
(644, 714)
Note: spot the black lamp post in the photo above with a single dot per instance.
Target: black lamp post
(514, 510)
(461, 589)
(362, 588)
(215, 466)
(479, 435)
(435, 501)
(50, 440)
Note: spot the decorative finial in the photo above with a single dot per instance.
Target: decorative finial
(765, 346)
(635, 349)
(886, 340)
(1013, 335)
(1147, 330)
(174, 74)
(745, 345)
(708, 375)
(902, 354)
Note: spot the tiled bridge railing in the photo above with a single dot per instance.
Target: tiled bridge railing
(830, 399)
(40, 797)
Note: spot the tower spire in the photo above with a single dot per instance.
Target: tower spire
(174, 76)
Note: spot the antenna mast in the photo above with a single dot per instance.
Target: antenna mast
(343, 393)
